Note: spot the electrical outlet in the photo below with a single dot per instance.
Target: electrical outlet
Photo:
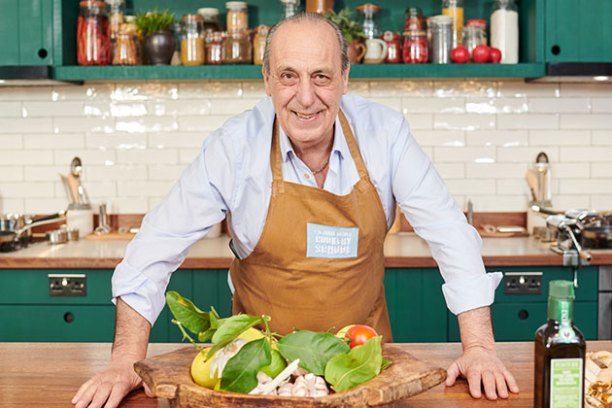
(67, 284)
(523, 283)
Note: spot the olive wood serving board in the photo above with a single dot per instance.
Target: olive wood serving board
(168, 376)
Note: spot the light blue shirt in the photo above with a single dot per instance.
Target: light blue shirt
(231, 177)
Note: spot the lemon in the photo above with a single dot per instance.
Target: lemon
(200, 370)
(342, 332)
(277, 365)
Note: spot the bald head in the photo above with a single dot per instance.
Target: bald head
(307, 18)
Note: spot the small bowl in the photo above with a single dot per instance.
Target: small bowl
(58, 236)
(73, 234)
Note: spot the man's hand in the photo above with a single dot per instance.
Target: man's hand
(109, 387)
(479, 363)
(482, 366)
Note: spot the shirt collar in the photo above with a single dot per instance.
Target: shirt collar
(340, 146)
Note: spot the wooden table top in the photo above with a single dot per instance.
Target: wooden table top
(49, 374)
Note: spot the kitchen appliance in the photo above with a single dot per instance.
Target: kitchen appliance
(17, 235)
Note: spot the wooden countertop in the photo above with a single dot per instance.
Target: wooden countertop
(403, 250)
(48, 374)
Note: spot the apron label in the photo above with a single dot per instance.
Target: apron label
(331, 242)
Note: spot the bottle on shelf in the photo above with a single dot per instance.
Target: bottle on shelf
(93, 42)
(192, 40)
(454, 9)
(505, 30)
(560, 350)
(370, 28)
(290, 7)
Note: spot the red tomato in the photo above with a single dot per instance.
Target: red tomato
(359, 334)
(481, 54)
(460, 55)
(495, 55)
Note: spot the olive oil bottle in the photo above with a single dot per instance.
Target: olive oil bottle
(559, 353)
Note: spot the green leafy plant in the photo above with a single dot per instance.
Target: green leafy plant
(350, 28)
(153, 21)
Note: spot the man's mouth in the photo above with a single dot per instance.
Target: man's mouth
(306, 116)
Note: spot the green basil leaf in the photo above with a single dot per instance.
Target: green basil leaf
(188, 314)
(313, 349)
(361, 364)
(231, 328)
(240, 372)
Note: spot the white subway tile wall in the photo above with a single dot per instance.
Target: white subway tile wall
(135, 138)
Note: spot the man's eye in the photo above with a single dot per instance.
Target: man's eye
(321, 79)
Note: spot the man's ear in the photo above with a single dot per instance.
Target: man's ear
(266, 77)
(345, 79)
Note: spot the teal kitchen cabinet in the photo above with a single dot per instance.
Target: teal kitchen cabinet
(164, 331)
(416, 305)
(210, 288)
(31, 311)
(27, 32)
(516, 317)
(578, 31)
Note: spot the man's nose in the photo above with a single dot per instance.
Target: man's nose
(306, 93)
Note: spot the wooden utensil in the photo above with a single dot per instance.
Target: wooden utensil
(168, 376)
(532, 181)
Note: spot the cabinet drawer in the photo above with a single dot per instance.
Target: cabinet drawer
(586, 290)
(31, 286)
(57, 323)
(519, 321)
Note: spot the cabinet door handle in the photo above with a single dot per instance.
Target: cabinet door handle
(523, 314)
(68, 317)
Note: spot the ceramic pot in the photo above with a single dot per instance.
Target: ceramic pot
(159, 47)
(356, 51)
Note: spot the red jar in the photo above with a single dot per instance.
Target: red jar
(415, 47)
(214, 48)
(93, 42)
(394, 47)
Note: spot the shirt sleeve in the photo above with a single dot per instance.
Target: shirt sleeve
(167, 232)
(435, 216)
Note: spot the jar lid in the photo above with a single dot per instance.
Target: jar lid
(476, 22)
(236, 5)
(93, 4)
(129, 19)
(208, 11)
(367, 7)
(262, 29)
(414, 11)
(414, 33)
(442, 20)
(192, 17)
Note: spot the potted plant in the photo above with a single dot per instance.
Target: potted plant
(352, 32)
(154, 29)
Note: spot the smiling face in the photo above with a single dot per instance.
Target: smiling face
(305, 81)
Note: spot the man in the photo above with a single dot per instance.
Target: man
(310, 179)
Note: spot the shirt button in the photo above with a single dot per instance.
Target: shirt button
(306, 176)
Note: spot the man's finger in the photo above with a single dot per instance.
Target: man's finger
(488, 383)
(473, 379)
(117, 393)
(147, 390)
(512, 384)
(451, 374)
(101, 396)
(500, 382)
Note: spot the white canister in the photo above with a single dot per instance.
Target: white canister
(505, 30)
(80, 217)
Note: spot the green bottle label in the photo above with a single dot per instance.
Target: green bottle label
(565, 382)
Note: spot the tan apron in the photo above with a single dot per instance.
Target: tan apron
(300, 292)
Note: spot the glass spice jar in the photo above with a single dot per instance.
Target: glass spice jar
(394, 47)
(192, 40)
(115, 16)
(214, 48)
(125, 49)
(413, 19)
(454, 9)
(474, 34)
(93, 42)
(259, 44)
(415, 47)
(319, 6)
(211, 20)
(237, 48)
(237, 17)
